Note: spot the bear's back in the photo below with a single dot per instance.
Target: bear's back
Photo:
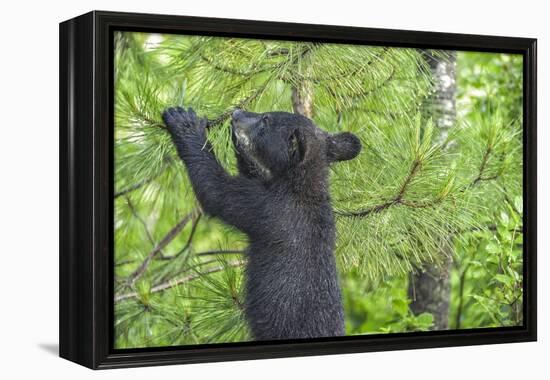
(291, 283)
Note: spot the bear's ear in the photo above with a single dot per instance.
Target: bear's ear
(342, 146)
(296, 146)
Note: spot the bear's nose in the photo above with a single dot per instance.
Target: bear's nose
(237, 113)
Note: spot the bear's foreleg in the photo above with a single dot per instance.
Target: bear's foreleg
(233, 199)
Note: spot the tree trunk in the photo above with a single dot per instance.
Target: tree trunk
(302, 89)
(430, 287)
(302, 99)
(430, 290)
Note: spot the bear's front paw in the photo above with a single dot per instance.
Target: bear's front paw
(181, 122)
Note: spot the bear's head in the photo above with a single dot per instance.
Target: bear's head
(273, 144)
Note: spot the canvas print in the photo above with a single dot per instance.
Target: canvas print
(270, 190)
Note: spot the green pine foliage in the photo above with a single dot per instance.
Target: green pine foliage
(178, 273)
(487, 280)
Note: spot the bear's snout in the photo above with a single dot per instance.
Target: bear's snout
(242, 123)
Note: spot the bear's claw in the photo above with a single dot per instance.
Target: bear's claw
(177, 115)
(177, 119)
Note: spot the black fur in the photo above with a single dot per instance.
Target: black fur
(281, 201)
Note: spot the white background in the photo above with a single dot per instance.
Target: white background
(29, 188)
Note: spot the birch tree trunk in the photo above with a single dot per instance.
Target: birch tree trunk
(430, 287)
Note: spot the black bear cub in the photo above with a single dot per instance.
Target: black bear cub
(280, 199)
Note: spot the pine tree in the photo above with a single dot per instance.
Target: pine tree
(411, 190)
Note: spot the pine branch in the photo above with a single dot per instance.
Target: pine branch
(196, 220)
(483, 165)
(205, 253)
(396, 200)
(413, 109)
(140, 219)
(176, 282)
(481, 171)
(138, 185)
(358, 70)
(242, 104)
(210, 123)
(399, 198)
(233, 71)
(171, 235)
(124, 262)
(367, 211)
(355, 100)
(221, 252)
(509, 201)
(277, 52)
(404, 187)
(135, 186)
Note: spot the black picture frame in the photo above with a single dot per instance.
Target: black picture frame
(86, 188)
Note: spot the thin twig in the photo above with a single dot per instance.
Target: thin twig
(482, 166)
(171, 235)
(277, 52)
(358, 70)
(509, 201)
(124, 262)
(358, 97)
(242, 104)
(135, 186)
(480, 175)
(143, 182)
(140, 219)
(189, 239)
(175, 282)
(367, 211)
(230, 70)
(405, 186)
(221, 252)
